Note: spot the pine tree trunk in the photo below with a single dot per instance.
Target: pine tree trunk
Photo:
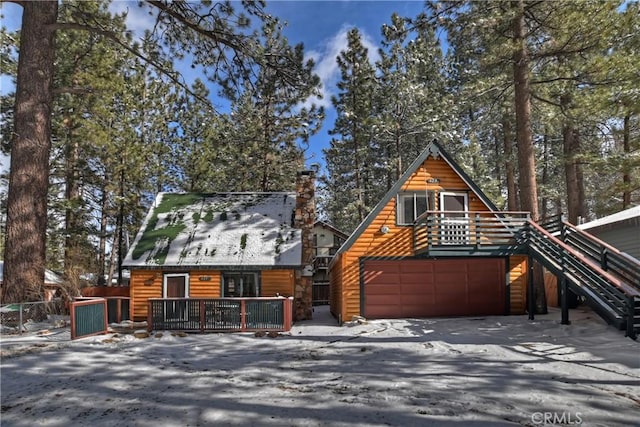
(25, 249)
(626, 176)
(72, 195)
(526, 154)
(102, 244)
(544, 202)
(571, 178)
(524, 137)
(510, 171)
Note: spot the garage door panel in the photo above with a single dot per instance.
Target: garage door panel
(410, 289)
(384, 291)
(429, 288)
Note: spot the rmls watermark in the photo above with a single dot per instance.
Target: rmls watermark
(556, 418)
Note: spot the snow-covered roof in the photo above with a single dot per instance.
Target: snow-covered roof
(617, 217)
(50, 278)
(231, 230)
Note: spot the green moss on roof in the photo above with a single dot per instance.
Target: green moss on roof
(151, 235)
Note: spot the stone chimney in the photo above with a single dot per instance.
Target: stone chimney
(304, 218)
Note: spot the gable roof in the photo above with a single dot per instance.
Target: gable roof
(325, 224)
(435, 150)
(222, 230)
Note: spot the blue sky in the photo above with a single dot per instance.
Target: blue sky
(320, 25)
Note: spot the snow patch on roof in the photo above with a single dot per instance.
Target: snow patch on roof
(220, 229)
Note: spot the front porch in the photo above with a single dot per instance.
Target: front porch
(469, 233)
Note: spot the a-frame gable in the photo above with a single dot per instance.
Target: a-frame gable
(435, 150)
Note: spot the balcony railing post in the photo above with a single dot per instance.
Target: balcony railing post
(202, 316)
(603, 258)
(429, 227)
(477, 229)
(243, 315)
(287, 313)
(149, 316)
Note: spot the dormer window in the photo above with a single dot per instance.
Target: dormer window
(411, 205)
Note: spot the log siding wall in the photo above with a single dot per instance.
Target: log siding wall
(398, 241)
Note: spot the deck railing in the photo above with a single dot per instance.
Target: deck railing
(467, 228)
(220, 314)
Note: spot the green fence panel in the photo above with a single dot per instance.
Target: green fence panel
(89, 318)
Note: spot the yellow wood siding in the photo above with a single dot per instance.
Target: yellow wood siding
(277, 282)
(335, 283)
(147, 284)
(518, 283)
(205, 284)
(144, 284)
(398, 242)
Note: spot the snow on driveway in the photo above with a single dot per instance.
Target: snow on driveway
(489, 371)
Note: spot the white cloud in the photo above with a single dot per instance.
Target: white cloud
(138, 18)
(326, 65)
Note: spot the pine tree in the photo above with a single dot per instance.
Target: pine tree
(219, 38)
(352, 154)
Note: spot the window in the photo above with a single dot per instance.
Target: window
(240, 285)
(412, 205)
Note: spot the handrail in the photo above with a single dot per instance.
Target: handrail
(610, 258)
(616, 298)
(622, 286)
(608, 253)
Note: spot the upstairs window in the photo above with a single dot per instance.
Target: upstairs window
(411, 206)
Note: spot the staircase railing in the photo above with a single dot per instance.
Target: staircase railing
(614, 300)
(609, 258)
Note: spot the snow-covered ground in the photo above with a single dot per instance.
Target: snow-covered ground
(490, 371)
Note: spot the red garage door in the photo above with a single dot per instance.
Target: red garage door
(429, 288)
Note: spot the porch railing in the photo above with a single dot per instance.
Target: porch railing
(220, 314)
(467, 228)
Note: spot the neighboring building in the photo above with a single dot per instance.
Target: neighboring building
(391, 266)
(326, 240)
(621, 230)
(53, 282)
(226, 245)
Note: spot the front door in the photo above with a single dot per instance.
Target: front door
(176, 286)
(455, 218)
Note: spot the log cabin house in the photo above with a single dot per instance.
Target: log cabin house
(435, 245)
(225, 245)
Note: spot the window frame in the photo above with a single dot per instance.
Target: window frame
(225, 276)
(400, 205)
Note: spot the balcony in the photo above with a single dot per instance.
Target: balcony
(321, 262)
(469, 233)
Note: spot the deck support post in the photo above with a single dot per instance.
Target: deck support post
(531, 291)
(631, 331)
(563, 302)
